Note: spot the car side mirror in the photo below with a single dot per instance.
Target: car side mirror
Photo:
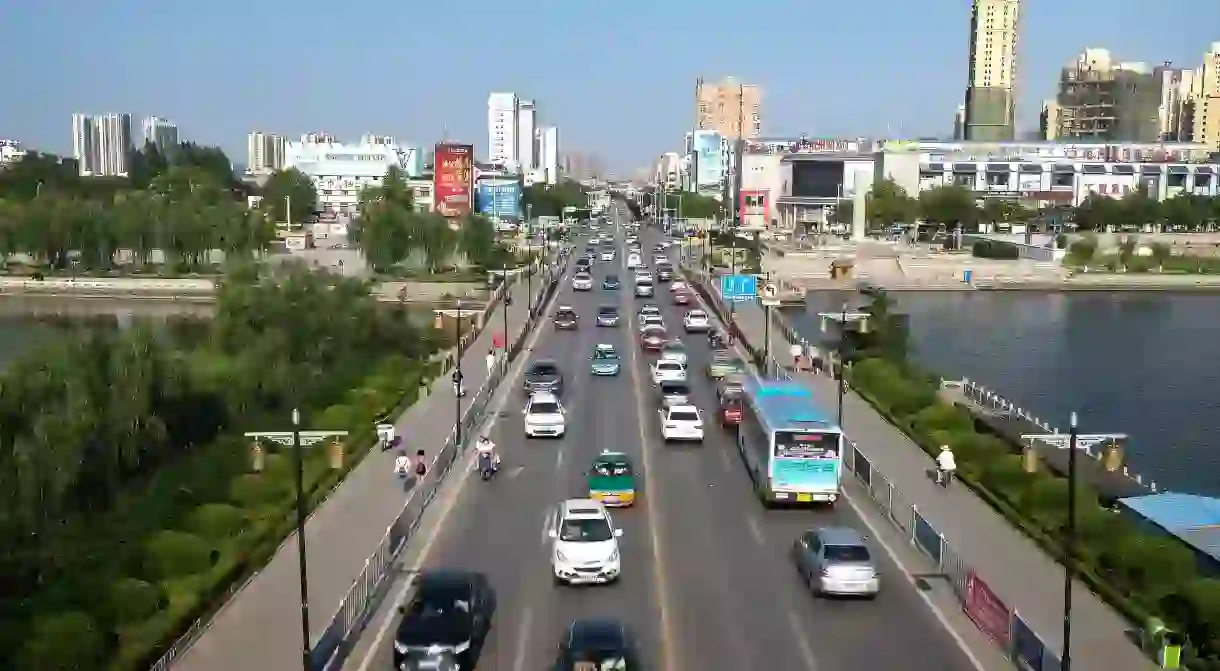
(618, 533)
(552, 534)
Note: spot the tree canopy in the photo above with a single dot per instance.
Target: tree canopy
(391, 231)
(548, 200)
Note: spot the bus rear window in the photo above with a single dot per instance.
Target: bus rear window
(806, 445)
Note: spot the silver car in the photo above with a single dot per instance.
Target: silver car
(835, 561)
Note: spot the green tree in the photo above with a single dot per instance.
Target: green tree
(289, 186)
(1083, 250)
(1126, 251)
(1161, 253)
(477, 239)
(1096, 213)
(699, 206)
(844, 212)
(546, 200)
(1186, 212)
(950, 205)
(889, 204)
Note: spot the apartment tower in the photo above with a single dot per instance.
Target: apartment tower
(1205, 106)
(1101, 99)
(102, 145)
(502, 127)
(729, 107)
(527, 137)
(991, 89)
(264, 153)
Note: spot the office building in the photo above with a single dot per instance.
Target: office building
(991, 88)
(1101, 99)
(959, 123)
(160, 133)
(548, 154)
(731, 108)
(264, 153)
(527, 138)
(1205, 100)
(341, 172)
(102, 145)
(502, 128)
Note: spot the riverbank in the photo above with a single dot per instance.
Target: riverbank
(203, 290)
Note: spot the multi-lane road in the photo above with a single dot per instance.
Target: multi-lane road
(707, 581)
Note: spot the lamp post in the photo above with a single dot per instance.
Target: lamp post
(508, 300)
(839, 369)
(1069, 559)
(767, 335)
(733, 270)
(297, 440)
(457, 398)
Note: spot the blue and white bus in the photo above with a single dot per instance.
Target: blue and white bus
(793, 450)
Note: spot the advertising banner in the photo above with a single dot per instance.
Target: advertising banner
(452, 179)
(709, 159)
(500, 198)
(989, 614)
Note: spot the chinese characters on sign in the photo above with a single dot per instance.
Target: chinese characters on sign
(805, 146)
(452, 179)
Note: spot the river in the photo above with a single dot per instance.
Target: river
(1144, 364)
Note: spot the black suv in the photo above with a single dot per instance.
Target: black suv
(597, 644)
(447, 619)
(544, 375)
(565, 318)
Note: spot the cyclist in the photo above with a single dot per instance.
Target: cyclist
(946, 465)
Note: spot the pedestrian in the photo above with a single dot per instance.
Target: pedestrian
(421, 466)
(491, 361)
(796, 350)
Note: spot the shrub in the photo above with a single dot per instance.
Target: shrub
(254, 490)
(1156, 565)
(173, 554)
(65, 642)
(995, 249)
(279, 467)
(217, 521)
(133, 600)
(1006, 476)
(338, 415)
(943, 417)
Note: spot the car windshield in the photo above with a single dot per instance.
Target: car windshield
(697, 314)
(607, 311)
(654, 333)
(605, 354)
(669, 365)
(599, 661)
(683, 416)
(847, 553)
(675, 347)
(675, 390)
(431, 621)
(544, 370)
(584, 276)
(611, 278)
(585, 530)
(544, 408)
(607, 469)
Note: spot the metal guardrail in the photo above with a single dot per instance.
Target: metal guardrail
(994, 618)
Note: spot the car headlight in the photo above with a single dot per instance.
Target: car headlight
(560, 557)
(400, 648)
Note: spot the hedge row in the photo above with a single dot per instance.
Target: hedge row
(1135, 570)
(995, 249)
(185, 573)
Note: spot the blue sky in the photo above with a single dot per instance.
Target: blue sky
(616, 77)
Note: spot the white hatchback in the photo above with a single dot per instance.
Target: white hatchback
(582, 282)
(681, 422)
(668, 370)
(544, 416)
(634, 261)
(584, 543)
(696, 321)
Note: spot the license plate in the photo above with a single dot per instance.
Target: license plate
(804, 498)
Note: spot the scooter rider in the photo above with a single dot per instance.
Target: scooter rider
(458, 390)
(946, 465)
(486, 447)
(402, 464)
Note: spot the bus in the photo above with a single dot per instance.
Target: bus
(792, 449)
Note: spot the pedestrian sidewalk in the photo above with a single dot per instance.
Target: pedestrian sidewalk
(1016, 569)
(260, 627)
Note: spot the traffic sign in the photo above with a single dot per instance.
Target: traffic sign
(770, 295)
(739, 287)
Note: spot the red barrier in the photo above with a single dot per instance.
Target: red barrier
(991, 615)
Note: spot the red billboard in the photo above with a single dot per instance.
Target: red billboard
(989, 614)
(452, 180)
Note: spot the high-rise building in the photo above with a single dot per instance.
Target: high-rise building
(527, 141)
(502, 127)
(1104, 100)
(318, 138)
(1048, 121)
(548, 153)
(991, 87)
(730, 108)
(264, 153)
(161, 133)
(1205, 100)
(102, 145)
(373, 138)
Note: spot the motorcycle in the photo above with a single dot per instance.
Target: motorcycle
(487, 466)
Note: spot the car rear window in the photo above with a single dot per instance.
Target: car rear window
(675, 389)
(847, 553)
(684, 416)
(544, 408)
(607, 311)
(545, 369)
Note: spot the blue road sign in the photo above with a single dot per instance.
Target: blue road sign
(739, 287)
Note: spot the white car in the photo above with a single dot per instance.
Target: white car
(634, 261)
(608, 255)
(582, 282)
(650, 319)
(674, 350)
(544, 416)
(650, 310)
(659, 259)
(670, 370)
(696, 321)
(678, 286)
(681, 422)
(584, 543)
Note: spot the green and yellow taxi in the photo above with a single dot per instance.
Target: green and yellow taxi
(725, 364)
(612, 479)
(605, 360)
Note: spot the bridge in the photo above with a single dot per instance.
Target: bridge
(707, 580)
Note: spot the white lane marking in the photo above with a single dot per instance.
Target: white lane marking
(937, 612)
(755, 530)
(802, 642)
(449, 503)
(523, 637)
(546, 527)
(559, 459)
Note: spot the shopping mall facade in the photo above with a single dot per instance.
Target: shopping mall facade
(785, 182)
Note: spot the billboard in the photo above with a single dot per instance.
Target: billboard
(452, 179)
(500, 198)
(709, 159)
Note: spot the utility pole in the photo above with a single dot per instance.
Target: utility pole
(297, 440)
(1069, 564)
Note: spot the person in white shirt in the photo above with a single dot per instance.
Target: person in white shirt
(485, 446)
(796, 350)
(945, 464)
(491, 361)
(402, 464)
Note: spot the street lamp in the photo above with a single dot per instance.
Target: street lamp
(457, 396)
(767, 335)
(839, 370)
(508, 300)
(1069, 559)
(298, 439)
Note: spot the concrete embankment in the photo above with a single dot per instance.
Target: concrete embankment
(204, 289)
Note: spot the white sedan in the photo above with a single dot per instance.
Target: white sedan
(681, 422)
(608, 256)
(582, 282)
(668, 370)
(696, 321)
(651, 320)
